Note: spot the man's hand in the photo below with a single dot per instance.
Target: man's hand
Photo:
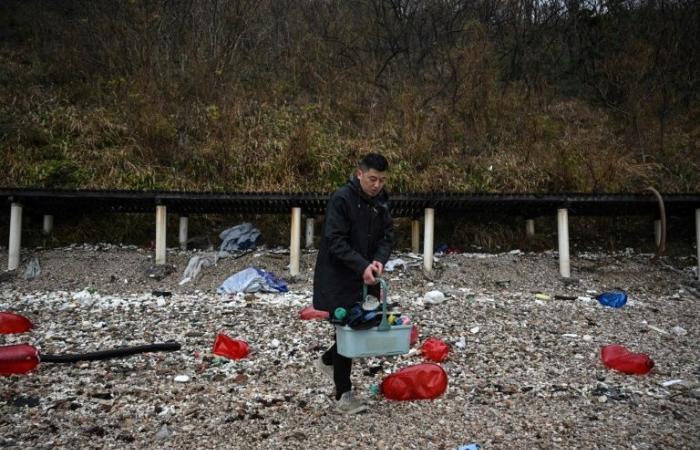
(368, 275)
(378, 268)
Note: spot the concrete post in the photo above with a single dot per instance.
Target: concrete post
(295, 242)
(530, 228)
(15, 236)
(415, 236)
(563, 234)
(309, 232)
(48, 224)
(182, 235)
(697, 238)
(429, 226)
(161, 224)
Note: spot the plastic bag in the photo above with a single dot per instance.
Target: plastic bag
(17, 359)
(614, 299)
(619, 358)
(419, 382)
(434, 349)
(13, 323)
(230, 348)
(310, 313)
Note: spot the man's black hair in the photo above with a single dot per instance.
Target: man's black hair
(374, 161)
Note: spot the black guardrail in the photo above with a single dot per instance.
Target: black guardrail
(57, 201)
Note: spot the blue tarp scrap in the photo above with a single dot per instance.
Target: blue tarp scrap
(252, 279)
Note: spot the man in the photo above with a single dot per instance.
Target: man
(356, 242)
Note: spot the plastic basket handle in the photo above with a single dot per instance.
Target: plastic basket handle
(384, 289)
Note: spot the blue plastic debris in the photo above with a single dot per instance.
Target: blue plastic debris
(252, 279)
(470, 447)
(614, 299)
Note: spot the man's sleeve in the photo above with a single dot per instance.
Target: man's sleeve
(337, 232)
(386, 243)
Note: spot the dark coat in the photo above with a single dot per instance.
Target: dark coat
(358, 229)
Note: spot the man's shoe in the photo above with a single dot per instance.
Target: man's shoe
(323, 368)
(348, 404)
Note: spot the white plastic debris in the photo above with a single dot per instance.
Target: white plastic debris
(391, 265)
(182, 378)
(670, 383)
(657, 329)
(434, 297)
(679, 331)
(474, 330)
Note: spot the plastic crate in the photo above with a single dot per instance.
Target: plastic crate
(382, 340)
(373, 342)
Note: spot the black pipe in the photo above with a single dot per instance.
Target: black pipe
(112, 353)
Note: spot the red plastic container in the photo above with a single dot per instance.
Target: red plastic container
(420, 382)
(230, 348)
(17, 359)
(434, 349)
(310, 313)
(619, 358)
(414, 335)
(13, 323)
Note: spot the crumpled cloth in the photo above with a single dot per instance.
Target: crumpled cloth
(196, 264)
(241, 237)
(252, 279)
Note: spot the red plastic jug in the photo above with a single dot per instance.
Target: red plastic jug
(434, 349)
(19, 358)
(419, 382)
(414, 335)
(230, 348)
(310, 313)
(619, 358)
(13, 323)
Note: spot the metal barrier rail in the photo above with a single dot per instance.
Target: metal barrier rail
(52, 202)
(313, 203)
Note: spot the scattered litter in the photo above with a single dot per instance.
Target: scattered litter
(418, 382)
(240, 237)
(230, 348)
(160, 293)
(679, 331)
(33, 269)
(164, 433)
(614, 299)
(657, 329)
(471, 446)
(250, 280)
(670, 383)
(434, 349)
(394, 263)
(195, 266)
(569, 335)
(619, 358)
(434, 297)
(182, 379)
(461, 343)
(474, 330)
(565, 297)
(541, 296)
(11, 323)
(310, 313)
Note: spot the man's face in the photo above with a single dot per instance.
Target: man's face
(372, 181)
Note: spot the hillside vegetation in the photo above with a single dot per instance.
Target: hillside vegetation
(285, 95)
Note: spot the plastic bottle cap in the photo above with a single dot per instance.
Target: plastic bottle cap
(340, 313)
